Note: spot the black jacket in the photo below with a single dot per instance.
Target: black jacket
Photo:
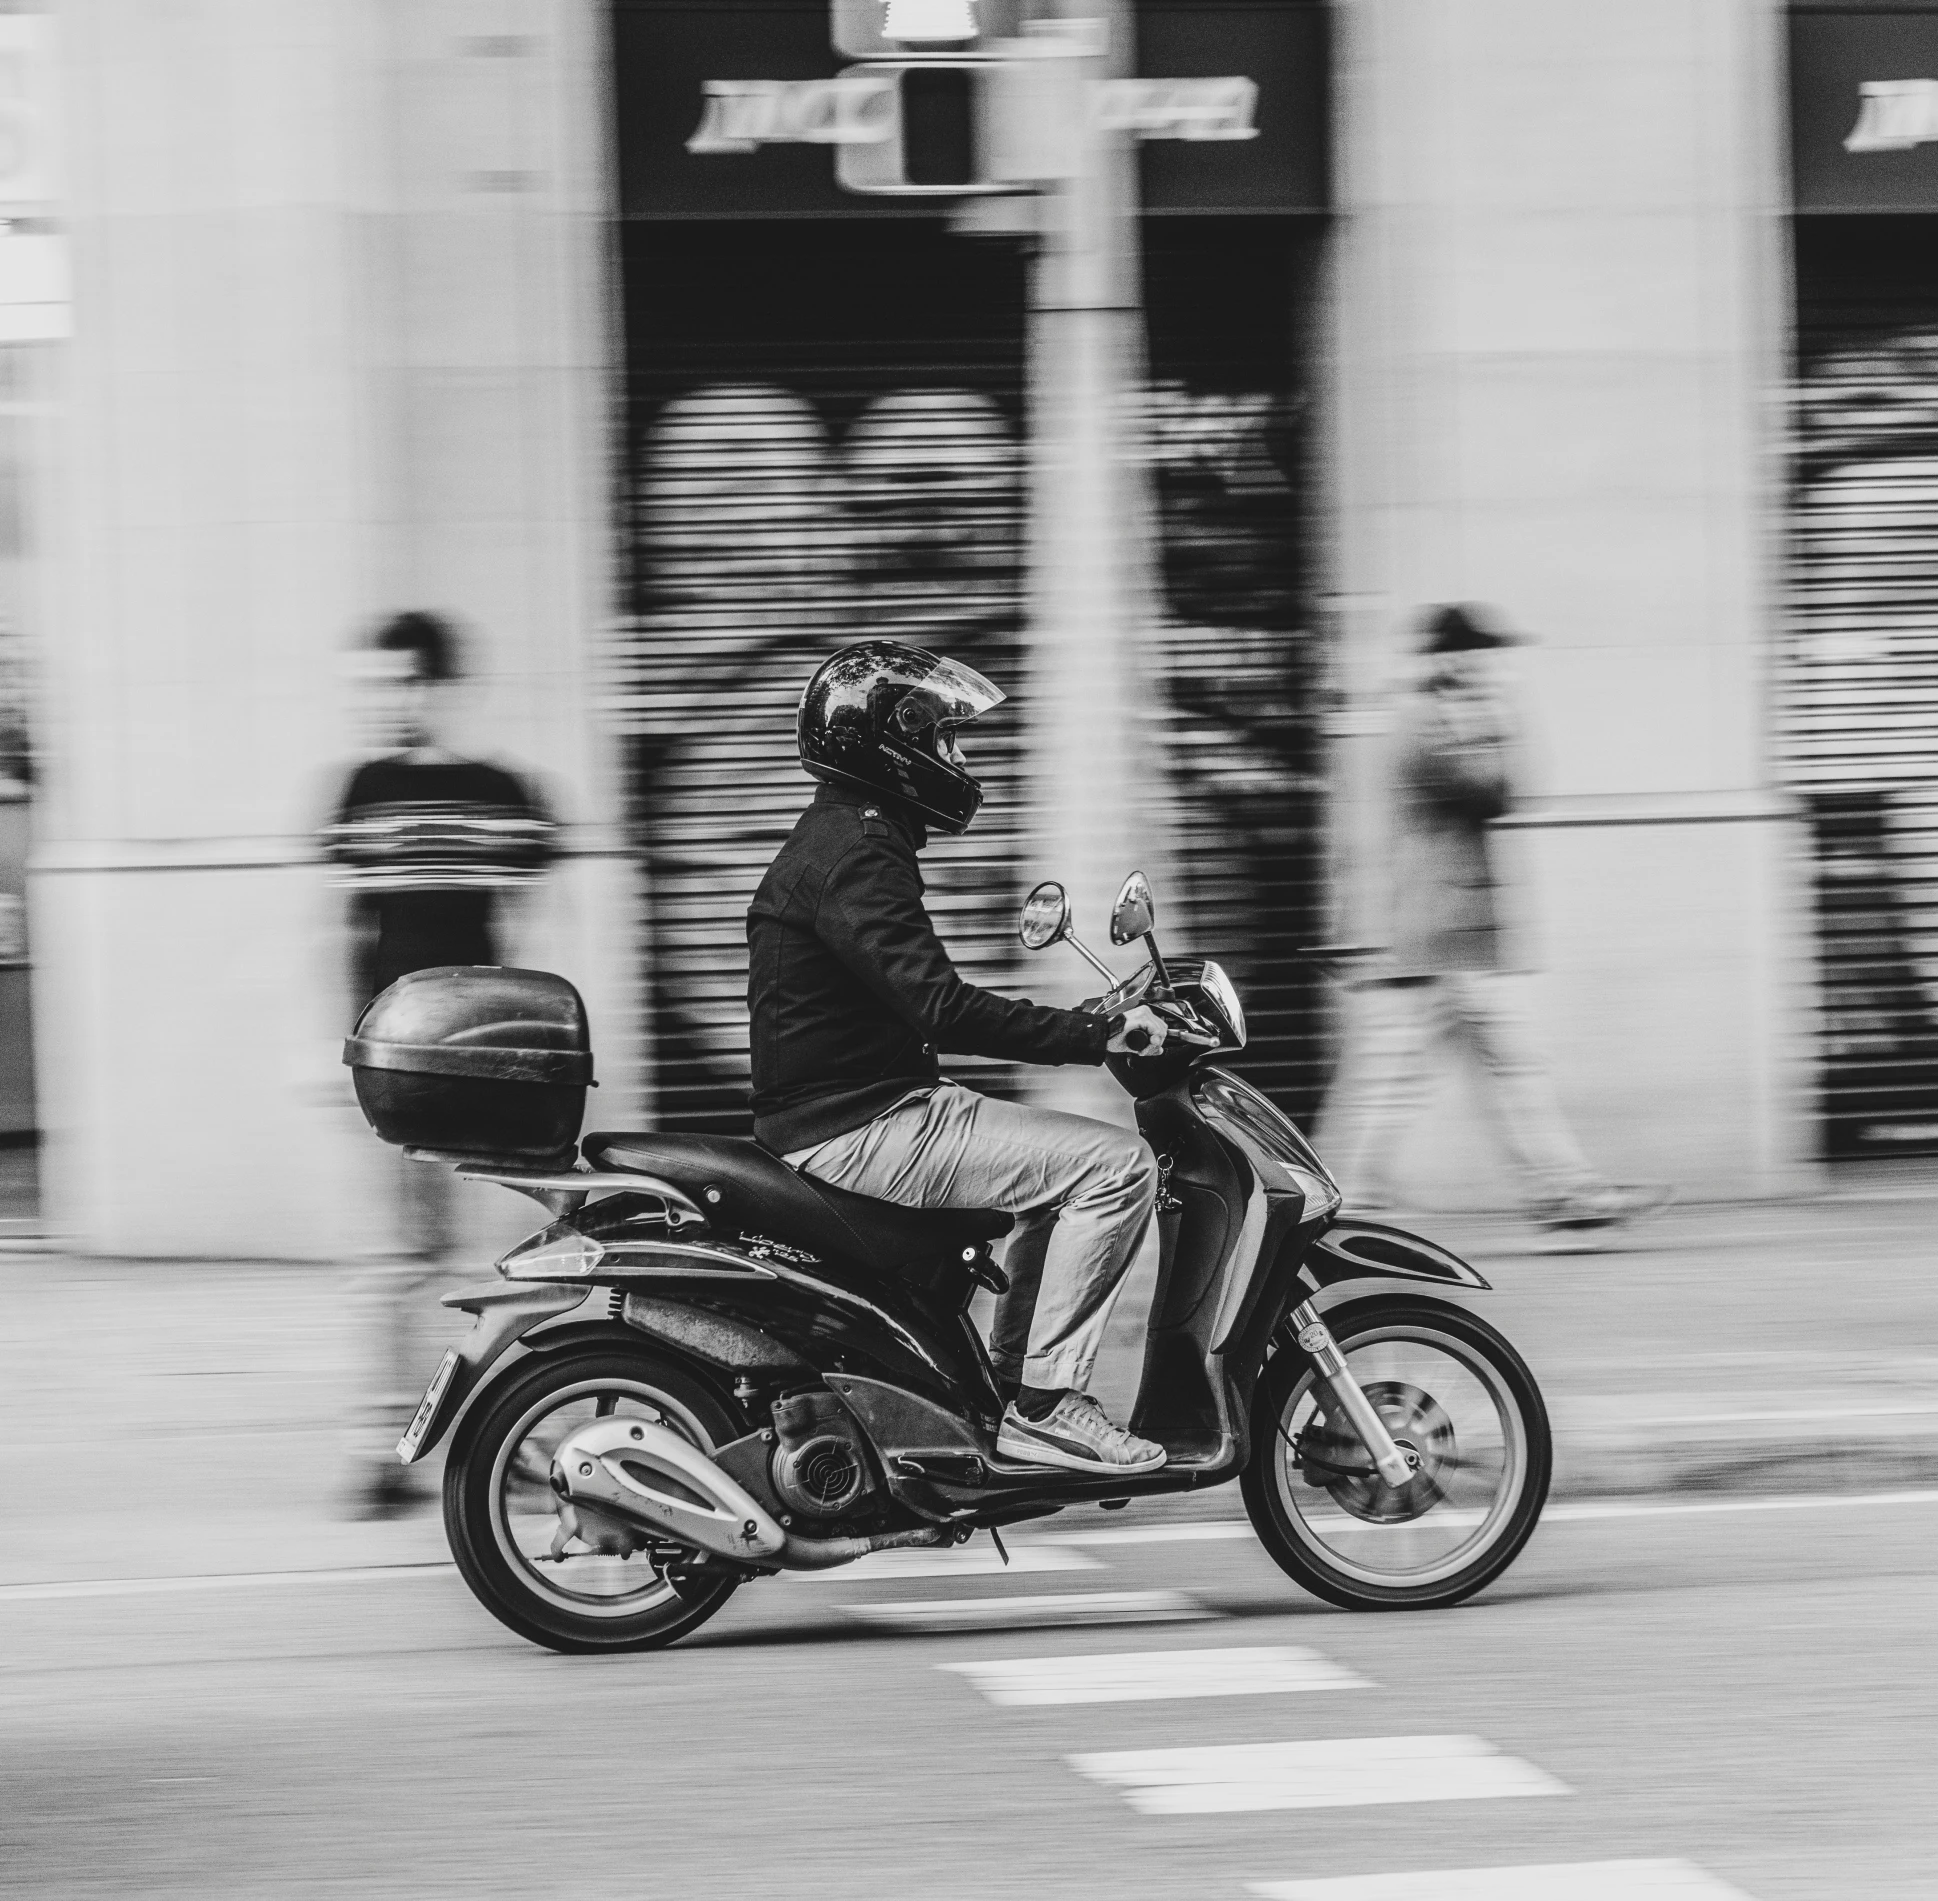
(849, 987)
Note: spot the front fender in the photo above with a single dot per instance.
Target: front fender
(504, 1313)
(1355, 1249)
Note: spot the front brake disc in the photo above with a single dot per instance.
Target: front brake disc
(1329, 1456)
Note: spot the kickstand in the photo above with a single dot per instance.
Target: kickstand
(996, 1538)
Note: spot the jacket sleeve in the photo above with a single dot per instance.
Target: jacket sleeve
(872, 917)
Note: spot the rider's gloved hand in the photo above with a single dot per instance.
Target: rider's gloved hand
(1140, 1031)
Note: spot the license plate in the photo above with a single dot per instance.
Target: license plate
(427, 1407)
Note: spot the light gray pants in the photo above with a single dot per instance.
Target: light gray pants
(1384, 1082)
(394, 1302)
(1081, 1191)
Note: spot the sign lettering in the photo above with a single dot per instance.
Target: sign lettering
(1895, 115)
(1179, 108)
(740, 115)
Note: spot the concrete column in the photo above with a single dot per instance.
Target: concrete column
(1099, 777)
(1557, 349)
(340, 348)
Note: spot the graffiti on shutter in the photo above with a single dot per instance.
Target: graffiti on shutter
(1858, 718)
(826, 441)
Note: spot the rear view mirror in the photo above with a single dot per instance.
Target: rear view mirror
(1135, 913)
(1046, 916)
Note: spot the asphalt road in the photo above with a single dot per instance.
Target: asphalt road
(1737, 1700)
(1759, 1346)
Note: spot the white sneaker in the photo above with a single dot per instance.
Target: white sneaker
(1605, 1206)
(1078, 1435)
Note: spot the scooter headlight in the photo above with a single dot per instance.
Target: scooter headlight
(1222, 994)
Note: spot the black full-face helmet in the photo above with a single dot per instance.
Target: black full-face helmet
(882, 717)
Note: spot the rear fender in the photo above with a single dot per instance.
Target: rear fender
(504, 1313)
(1354, 1249)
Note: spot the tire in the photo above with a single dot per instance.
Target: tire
(494, 1491)
(1343, 1533)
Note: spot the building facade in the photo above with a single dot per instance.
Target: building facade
(593, 325)
(843, 413)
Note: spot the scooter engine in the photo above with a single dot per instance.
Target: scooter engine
(820, 1462)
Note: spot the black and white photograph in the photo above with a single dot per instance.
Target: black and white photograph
(969, 950)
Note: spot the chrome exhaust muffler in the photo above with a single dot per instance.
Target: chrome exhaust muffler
(647, 1475)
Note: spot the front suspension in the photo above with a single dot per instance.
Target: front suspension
(1315, 1338)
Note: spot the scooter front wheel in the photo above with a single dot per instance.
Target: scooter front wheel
(1458, 1400)
(575, 1583)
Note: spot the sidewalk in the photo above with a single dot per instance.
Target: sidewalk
(163, 1418)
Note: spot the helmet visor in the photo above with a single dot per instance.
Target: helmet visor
(949, 696)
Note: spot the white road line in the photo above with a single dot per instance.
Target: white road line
(1030, 1613)
(1577, 1511)
(967, 1562)
(1333, 1774)
(1148, 1675)
(1579, 1881)
(217, 1581)
(1191, 1532)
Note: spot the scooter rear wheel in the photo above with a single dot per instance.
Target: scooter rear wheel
(1454, 1393)
(501, 1515)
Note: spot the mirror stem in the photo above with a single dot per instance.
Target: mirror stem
(1090, 957)
(1157, 959)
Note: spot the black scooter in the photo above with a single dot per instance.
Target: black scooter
(710, 1369)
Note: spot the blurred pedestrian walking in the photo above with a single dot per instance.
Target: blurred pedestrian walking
(1446, 979)
(429, 846)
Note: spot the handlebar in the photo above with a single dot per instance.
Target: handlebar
(1177, 1027)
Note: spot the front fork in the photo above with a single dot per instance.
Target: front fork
(1316, 1338)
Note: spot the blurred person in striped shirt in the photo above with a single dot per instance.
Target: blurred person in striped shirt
(432, 851)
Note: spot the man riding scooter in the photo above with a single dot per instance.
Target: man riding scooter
(852, 996)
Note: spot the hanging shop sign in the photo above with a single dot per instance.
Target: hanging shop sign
(863, 106)
(721, 103)
(999, 130)
(1864, 109)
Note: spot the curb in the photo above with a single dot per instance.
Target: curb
(1805, 1447)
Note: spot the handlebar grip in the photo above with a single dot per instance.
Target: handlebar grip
(1137, 1039)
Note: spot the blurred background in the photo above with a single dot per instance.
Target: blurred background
(662, 361)
(1167, 361)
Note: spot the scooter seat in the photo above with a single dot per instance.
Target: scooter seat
(739, 1184)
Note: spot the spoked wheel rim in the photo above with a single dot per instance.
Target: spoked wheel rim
(1448, 1406)
(523, 1509)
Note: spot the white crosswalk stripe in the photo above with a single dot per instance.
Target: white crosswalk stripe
(1149, 1675)
(1555, 1881)
(1349, 1772)
(1026, 1613)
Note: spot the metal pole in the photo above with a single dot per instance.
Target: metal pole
(1097, 777)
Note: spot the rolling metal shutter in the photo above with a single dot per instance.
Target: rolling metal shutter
(825, 441)
(1229, 304)
(1858, 711)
